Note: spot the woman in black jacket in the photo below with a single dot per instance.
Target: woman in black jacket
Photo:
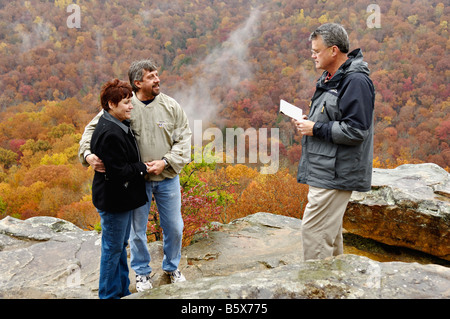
(120, 189)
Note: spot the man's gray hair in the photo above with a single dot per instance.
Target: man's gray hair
(136, 71)
(332, 34)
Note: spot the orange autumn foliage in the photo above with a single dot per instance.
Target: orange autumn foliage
(277, 193)
(253, 192)
(82, 213)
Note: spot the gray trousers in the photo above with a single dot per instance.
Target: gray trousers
(322, 223)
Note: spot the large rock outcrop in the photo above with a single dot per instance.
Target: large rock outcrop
(46, 257)
(342, 277)
(259, 256)
(408, 206)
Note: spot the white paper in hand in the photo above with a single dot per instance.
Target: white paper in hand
(291, 110)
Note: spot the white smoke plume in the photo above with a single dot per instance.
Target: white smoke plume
(225, 67)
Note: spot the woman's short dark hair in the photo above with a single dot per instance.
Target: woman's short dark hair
(114, 91)
(332, 34)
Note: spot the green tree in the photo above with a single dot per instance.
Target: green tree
(7, 158)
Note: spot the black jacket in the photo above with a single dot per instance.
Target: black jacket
(122, 187)
(339, 155)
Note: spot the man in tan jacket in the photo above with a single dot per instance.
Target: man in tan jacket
(163, 135)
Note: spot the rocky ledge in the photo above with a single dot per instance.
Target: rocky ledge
(46, 257)
(258, 256)
(408, 206)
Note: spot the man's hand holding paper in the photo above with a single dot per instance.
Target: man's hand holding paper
(304, 126)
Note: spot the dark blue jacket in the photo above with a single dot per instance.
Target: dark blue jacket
(339, 155)
(122, 187)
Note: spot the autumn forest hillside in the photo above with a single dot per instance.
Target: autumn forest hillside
(228, 63)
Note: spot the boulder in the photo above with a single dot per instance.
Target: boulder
(341, 277)
(408, 206)
(259, 256)
(46, 257)
(256, 242)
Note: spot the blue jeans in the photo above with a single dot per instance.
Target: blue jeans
(167, 195)
(114, 281)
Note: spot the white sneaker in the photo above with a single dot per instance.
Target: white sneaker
(143, 282)
(175, 276)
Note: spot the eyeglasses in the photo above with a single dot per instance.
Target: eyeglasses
(316, 53)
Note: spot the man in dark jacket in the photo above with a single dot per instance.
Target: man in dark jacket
(337, 143)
